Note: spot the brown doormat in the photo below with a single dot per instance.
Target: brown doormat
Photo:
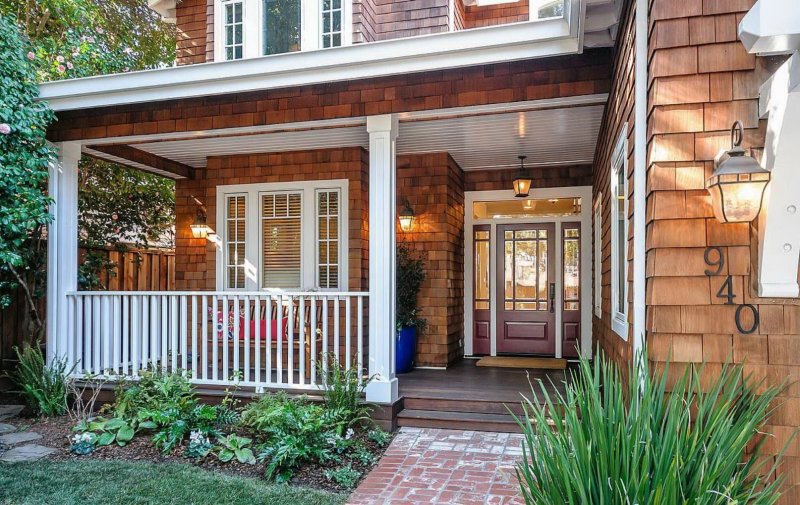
(523, 362)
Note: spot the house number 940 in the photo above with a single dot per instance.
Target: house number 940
(715, 258)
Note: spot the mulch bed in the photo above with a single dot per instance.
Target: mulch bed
(56, 432)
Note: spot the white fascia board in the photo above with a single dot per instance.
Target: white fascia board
(779, 220)
(478, 46)
(771, 27)
(165, 8)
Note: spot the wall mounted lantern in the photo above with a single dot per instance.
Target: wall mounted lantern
(522, 183)
(738, 182)
(406, 217)
(199, 227)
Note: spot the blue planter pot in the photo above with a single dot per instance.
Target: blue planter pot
(405, 349)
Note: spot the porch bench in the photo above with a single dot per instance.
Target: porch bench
(311, 336)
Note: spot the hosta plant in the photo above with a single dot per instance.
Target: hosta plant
(647, 441)
(234, 446)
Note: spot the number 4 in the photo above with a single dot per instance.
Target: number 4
(726, 291)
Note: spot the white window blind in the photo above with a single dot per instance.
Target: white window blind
(236, 210)
(328, 238)
(281, 235)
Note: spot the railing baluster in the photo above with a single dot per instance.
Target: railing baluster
(137, 319)
(325, 336)
(270, 336)
(301, 339)
(194, 337)
(360, 337)
(290, 343)
(336, 329)
(217, 327)
(257, 319)
(313, 338)
(183, 322)
(97, 364)
(279, 344)
(80, 335)
(125, 336)
(347, 323)
(226, 335)
(154, 328)
(246, 338)
(236, 336)
(116, 333)
(167, 310)
(204, 336)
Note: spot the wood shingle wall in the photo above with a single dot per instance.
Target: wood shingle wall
(701, 81)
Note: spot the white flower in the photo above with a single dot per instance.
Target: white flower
(4, 129)
(31, 56)
(81, 437)
(128, 50)
(60, 59)
(90, 40)
(62, 69)
(69, 65)
(100, 31)
(349, 434)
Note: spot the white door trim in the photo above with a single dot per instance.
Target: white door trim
(583, 192)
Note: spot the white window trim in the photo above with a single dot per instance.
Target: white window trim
(619, 161)
(225, 260)
(253, 239)
(252, 12)
(597, 223)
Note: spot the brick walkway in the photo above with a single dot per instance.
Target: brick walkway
(444, 466)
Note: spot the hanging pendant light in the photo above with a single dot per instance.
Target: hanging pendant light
(738, 182)
(522, 183)
(406, 217)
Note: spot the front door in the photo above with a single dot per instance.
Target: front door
(526, 317)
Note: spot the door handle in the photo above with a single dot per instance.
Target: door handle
(552, 297)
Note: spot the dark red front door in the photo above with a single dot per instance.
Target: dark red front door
(526, 318)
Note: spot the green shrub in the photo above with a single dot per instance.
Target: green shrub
(233, 446)
(343, 391)
(104, 432)
(166, 402)
(379, 437)
(43, 386)
(294, 432)
(410, 276)
(345, 476)
(642, 442)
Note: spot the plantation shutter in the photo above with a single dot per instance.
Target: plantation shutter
(235, 224)
(328, 238)
(281, 224)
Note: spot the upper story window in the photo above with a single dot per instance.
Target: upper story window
(252, 28)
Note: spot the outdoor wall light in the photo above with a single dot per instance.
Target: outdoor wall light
(199, 227)
(522, 183)
(738, 182)
(406, 217)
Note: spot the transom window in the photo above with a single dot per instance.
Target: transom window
(619, 235)
(252, 28)
(291, 236)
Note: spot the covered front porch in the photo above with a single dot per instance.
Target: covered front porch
(294, 267)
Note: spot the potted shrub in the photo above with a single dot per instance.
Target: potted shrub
(410, 275)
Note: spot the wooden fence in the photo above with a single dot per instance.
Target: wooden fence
(136, 270)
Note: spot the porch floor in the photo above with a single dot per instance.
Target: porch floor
(466, 396)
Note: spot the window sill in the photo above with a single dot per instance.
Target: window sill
(620, 326)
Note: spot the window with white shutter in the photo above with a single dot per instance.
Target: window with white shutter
(298, 236)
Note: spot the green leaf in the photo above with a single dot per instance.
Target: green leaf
(246, 456)
(125, 433)
(105, 438)
(226, 455)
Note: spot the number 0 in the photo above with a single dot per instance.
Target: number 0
(756, 320)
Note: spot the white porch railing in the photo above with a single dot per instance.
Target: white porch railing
(259, 339)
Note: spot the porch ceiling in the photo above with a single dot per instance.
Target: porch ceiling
(560, 134)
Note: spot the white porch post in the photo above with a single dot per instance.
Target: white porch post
(62, 247)
(382, 185)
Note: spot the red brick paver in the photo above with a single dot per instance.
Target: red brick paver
(444, 466)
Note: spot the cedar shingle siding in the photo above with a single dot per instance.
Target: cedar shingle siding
(702, 80)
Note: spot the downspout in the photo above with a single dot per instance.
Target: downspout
(640, 178)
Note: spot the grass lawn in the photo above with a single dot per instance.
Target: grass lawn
(142, 483)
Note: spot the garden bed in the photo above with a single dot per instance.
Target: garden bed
(57, 431)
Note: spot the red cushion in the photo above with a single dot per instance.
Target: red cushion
(262, 326)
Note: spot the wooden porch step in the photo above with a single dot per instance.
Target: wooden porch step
(459, 405)
(457, 420)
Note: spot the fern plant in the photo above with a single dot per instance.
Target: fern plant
(44, 387)
(641, 441)
(343, 391)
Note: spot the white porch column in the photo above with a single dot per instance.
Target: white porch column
(382, 185)
(62, 247)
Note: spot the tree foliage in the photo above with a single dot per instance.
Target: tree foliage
(45, 40)
(24, 162)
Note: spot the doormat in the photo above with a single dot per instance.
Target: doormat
(523, 362)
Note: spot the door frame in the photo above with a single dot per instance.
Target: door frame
(582, 192)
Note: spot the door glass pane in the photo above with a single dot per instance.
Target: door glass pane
(571, 269)
(481, 269)
(543, 280)
(281, 27)
(281, 233)
(525, 274)
(526, 270)
(509, 269)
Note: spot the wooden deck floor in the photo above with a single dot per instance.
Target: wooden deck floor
(465, 381)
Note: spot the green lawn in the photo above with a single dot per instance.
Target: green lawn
(142, 483)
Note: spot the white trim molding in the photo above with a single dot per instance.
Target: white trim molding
(779, 221)
(597, 238)
(771, 27)
(640, 180)
(516, 41)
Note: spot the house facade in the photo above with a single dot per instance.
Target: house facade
(298, 132)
